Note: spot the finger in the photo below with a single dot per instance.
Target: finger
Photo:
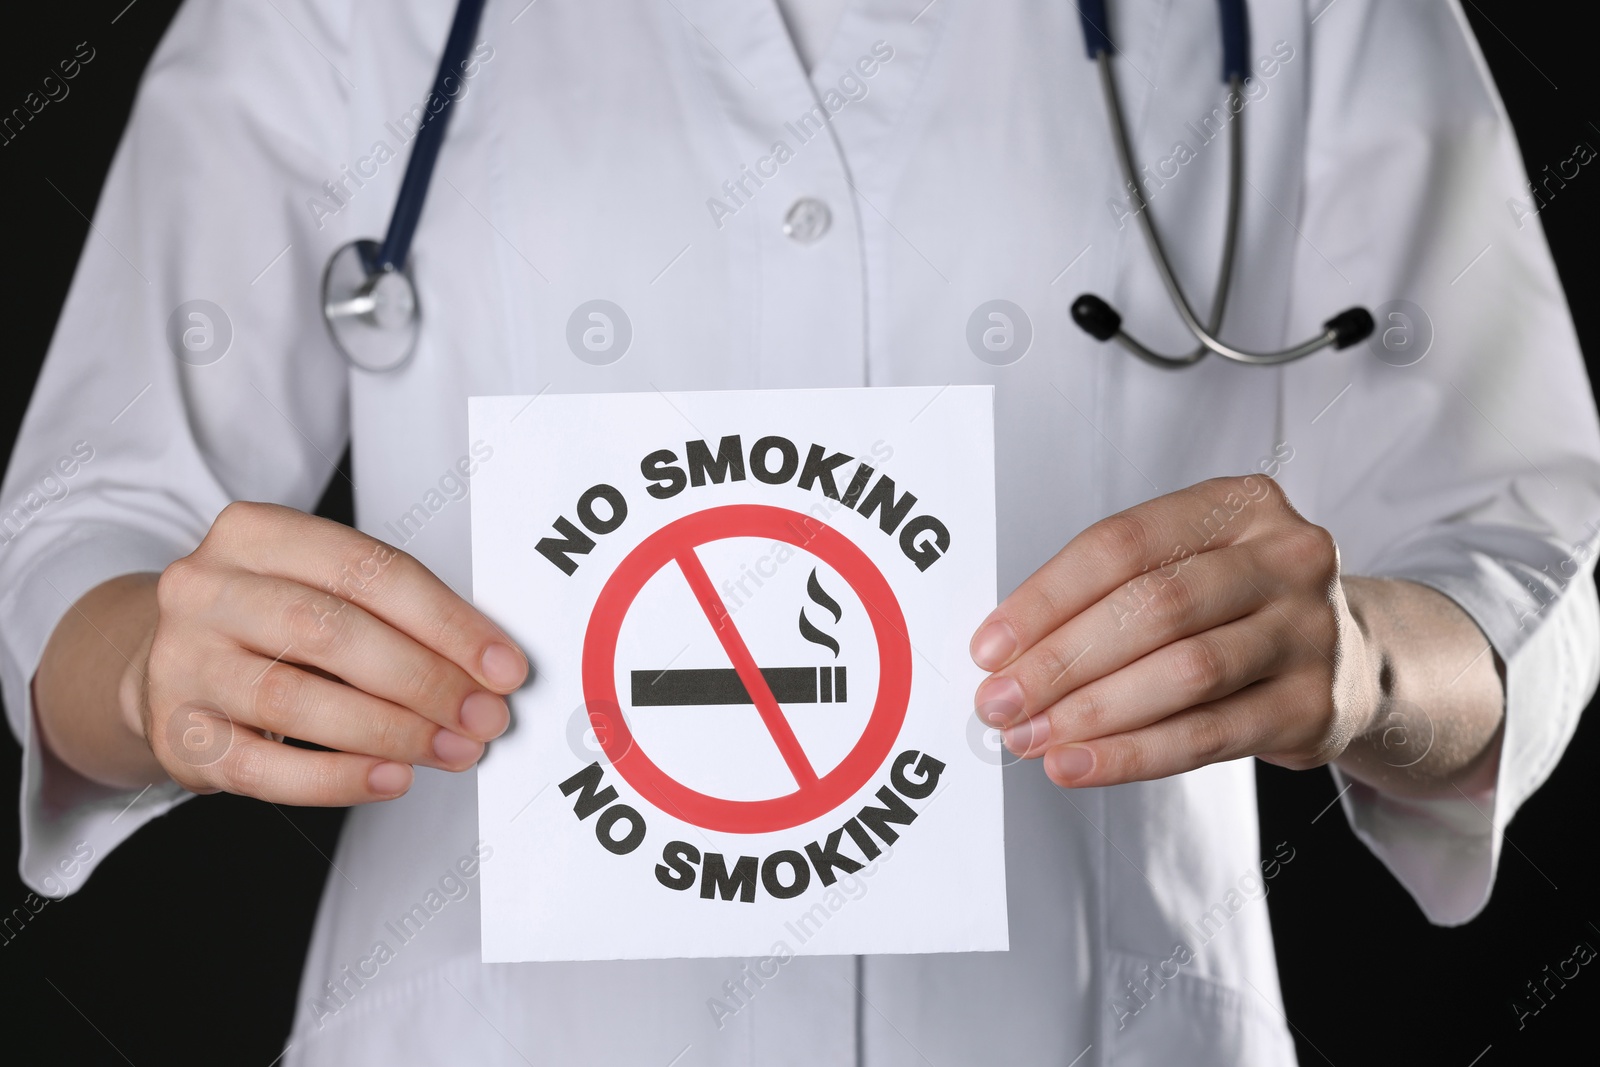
(1154, 535)
(1186, 673)
(240, 761)
(286, 700)
(387, 582)
(1232, 728)
(1134, 619)
(290, 622)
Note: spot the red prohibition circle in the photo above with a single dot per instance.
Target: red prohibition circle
(675, 543)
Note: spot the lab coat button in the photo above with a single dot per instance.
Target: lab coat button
(808, 219)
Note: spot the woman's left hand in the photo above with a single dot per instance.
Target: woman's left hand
(1205, 625)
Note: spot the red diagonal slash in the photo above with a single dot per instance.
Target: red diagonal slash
(743, 662)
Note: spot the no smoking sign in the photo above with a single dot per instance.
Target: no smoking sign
(766, 628)
(813, 794)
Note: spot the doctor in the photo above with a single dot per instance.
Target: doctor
(822, 194)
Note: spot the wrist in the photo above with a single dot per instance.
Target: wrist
(133, 695)
(1433, 697)
(1368, 673)
(86, 703)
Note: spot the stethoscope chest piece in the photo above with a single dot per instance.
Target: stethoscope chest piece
(372, 313)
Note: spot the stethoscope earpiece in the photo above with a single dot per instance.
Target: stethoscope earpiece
(1095, 317)
(1350, 327)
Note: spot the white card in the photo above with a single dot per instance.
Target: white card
(749, 726)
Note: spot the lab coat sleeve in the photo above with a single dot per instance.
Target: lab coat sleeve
(128, 452)
(1476, 469)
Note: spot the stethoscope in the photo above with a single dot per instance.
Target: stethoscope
(369, 298)
(1098, 318)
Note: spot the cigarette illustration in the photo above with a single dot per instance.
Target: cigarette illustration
(721, 685)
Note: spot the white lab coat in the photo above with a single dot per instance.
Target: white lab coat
(581, 164)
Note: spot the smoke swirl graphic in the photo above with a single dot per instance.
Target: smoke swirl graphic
(820, 597)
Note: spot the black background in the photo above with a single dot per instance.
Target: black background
(187, 948)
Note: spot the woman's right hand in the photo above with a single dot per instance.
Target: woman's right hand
(296, 626)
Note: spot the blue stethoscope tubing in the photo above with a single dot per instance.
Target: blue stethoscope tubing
(369, 298)
(425, 153)
(1097, 317)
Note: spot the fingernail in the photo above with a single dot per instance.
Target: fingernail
(503, 666)
(389, 779)
(1025, 736)
(993, 646)
(1069, 763)
(999, 701)
(485, 715)
(451, 747)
